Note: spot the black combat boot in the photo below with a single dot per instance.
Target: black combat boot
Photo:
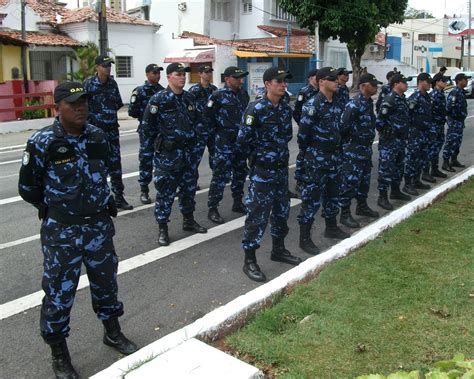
(447, 166)
(409, 188)
(456, 163)
(214, 216)
(396, 194)
(251, 268)
(122, 203)
(426, 177)
(281, 254)
(238, 206)
(333, 231)
(363, 209)
(144, 196)
(436, 173)
(383, 202)
(190, 225)
(114, 337)
(347, 219)
(163, 237)
(306, 243)
(418, 184)
(61, 360)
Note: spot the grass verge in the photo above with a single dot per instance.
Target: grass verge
(404, 301)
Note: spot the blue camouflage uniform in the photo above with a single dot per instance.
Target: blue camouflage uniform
(456, 110)
(224, 109)
(138, 102)
(65, 177)
(357, 132)
(439, 119)
(420, 109)
(386, 89)
(264, 136)
(104, 102)
(169, 130)
(342, 95)
(305, 93)
(319, 135)
(205, 132)
(392, 125)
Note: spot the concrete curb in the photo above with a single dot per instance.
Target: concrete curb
(222, 320)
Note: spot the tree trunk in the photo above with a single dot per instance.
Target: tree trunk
(355, 56)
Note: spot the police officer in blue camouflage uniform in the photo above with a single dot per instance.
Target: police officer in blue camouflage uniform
(224, 110)
(169, 129)
(319, 133)
(64, 175)
(104, 103)
(439, 119)
(342, 93)
(456, 108)
(205, 132)
(392, 124)
(420, 109)
(385, 90)
(263, 137)
(303, 96)
(358, 132)
(138, 102)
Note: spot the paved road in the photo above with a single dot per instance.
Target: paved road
(163, 289)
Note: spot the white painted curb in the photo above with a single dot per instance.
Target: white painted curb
(224, 318)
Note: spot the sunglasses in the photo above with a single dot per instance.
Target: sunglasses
(329, 78)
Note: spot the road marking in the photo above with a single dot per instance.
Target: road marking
(8, 176)
(34, 299)
(11, 151)
(11, 147)
(10, 162)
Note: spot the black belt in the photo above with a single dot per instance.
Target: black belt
(65, 218)
(172, 145)
(327, 147)
(271, 165)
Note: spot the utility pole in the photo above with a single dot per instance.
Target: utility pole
(469, 39)
(24, 46)
(102, 21)
(316, 45)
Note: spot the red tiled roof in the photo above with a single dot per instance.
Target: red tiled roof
(298, 44)
(114, 17)
(8, 40)
(281, 32)
(48, 9)
(43, 39)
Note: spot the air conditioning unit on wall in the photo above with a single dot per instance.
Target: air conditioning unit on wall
(374, 48)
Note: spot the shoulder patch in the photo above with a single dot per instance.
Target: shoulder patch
(453, 98)
(311, 111)
(411, 105)
(133, 98)
(210, 103)
(26, 158)
(249, 120)
(384, 110)
(153, 109)
(190, 108)
(300, 97)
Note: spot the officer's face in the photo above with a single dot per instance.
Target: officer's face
(424, 85)
(328, 84)
(441, 85)
(234, 83)
(73, 115)
(369, 89)
(462, 83)
(104, 69)
(177, 79)
(276, 87)
(401, 87)
(313, 81)
(206, 76)
(343, 79)
(153, 76)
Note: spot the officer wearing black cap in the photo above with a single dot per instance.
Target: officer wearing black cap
(205, 132)
(319, 134)
(64, 175)
(104, 103)
(138, 102)
(385, 90)
(420, 106)
(224, 110)
(169, 129)
(392, 124)
(358, 132)
(456, 107)
(264, 138)
(438, 100)
(342, 90)
(305, 93)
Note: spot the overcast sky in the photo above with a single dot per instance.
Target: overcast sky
(437, 7)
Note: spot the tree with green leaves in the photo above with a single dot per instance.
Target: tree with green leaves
(85, 57)
(417, 13)
(355, 22)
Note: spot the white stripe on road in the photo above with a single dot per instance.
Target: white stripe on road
(32, 300)
(8, 176)
(10, 162)
(11, 147)
(11, 151)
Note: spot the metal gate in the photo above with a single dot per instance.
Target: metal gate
(48, 65)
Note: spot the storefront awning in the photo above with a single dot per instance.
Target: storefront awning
(191, 56)
(260, 54)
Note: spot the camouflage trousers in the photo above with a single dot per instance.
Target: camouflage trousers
(299, 172)
(115, 168)
(262, 199)
(454, 135)
(391, 162)
(65, 248)
(435, 145)
(416, 152)
(355, 180)
(145, 161)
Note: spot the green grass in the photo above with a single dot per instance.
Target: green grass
(403, 301)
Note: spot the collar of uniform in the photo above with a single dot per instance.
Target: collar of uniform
(227, 88)
(325, 99)
(59, 131)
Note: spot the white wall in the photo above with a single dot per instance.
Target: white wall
(221, 30)
(249, 22)
(13, 19)
(166, 13)
(224, 58)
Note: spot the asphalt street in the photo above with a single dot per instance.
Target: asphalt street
(193, 276)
